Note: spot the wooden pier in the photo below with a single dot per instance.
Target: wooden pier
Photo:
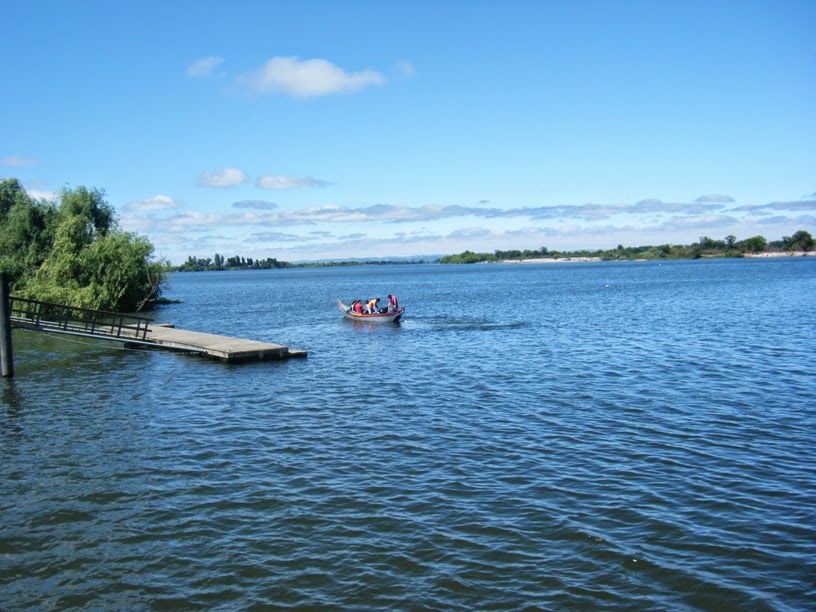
(219, 347)
(140, 331)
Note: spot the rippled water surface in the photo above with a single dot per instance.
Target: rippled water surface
(612, 435)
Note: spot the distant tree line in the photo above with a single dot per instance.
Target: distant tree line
(73, 252)
(219, 262)
(705, 247)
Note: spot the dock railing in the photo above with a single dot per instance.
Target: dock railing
(74, 320)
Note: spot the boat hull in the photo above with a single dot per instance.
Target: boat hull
(385, 317)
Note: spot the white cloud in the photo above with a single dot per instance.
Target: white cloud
(307, 78)
(204, 67)
(256, 204)
(287, 182)
(223, 177)
(715, 197)
(700, 205)
(698, 222)
(405, 69)
(471, 232)
(277, 237)
(798, 205)
(802, 221)
(15, 161)
(157, 202)
(42, 194)
(191, 221)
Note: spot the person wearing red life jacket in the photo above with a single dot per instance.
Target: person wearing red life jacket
(358, 307)
(393, 304)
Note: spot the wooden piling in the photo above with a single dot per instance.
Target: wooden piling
(6, 352)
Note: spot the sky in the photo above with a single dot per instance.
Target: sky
(311, 130)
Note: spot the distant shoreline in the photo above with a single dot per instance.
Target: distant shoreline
(535, 260)
(543, 260)
(547, 260)
(783, 254)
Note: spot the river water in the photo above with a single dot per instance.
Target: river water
(556, 436)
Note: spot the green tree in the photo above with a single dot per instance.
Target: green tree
(75, 253)
(469, 257)
(709, 244)
(11, 192)
(800, 241)
(755, 244)
(90, 206)
(26, 232)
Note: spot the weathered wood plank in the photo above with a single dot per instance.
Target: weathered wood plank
(220, 347)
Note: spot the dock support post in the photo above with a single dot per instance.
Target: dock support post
(6, 353)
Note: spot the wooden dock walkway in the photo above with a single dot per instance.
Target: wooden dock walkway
(225, 348)
(140, 331)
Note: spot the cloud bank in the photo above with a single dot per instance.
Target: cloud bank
(259, 228)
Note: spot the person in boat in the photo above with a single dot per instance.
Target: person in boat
(393, 303)
(372, 306)
(351, 307)
(358, 306)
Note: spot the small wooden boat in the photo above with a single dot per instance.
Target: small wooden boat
(383, 317)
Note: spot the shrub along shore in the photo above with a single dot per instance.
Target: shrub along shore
(73, 251)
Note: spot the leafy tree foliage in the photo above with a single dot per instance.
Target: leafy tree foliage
(800, 241)
(709, 244)
(26, 232)
(756, 244)
(468, 257)
(74, 253)
(218, 262)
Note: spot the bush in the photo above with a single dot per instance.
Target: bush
(75, 253)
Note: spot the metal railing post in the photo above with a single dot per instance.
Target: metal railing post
(6, 349)
(73, 319)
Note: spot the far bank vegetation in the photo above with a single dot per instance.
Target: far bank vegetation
(219, 262)
(801, 241)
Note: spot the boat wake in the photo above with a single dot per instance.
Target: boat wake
(459, 324)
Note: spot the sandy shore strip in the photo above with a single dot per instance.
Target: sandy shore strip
(549, 260)
(545, 260)
(783, 254)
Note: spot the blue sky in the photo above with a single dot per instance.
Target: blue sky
(313, 130)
